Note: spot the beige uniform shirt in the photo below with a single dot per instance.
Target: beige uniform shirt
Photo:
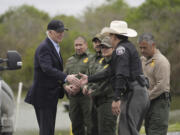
(157, 69)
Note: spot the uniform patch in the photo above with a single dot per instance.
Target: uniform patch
(152, 63)
(120, 50)
(85, 60)
(106, 66)
(101, 60)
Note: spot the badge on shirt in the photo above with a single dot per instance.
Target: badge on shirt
(120, 50)
(152, 63)
(85, 60)
(101, 60)
(106, 66)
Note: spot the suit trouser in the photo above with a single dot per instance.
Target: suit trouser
(46, 120)
(80, 115)
(133, 110)
(9, 133)
(156, 122)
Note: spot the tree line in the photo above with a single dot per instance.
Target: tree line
(23, 28)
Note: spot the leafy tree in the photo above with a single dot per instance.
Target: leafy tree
(97, 18)
(23, 28)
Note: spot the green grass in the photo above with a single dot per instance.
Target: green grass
(62, 132)
(142, 131)
(175, 103)
(172, 128)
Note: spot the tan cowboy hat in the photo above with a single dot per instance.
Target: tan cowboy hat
(120, 28)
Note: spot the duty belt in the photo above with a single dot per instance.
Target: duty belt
(165, 95)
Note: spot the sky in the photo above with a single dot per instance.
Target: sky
(54, 7)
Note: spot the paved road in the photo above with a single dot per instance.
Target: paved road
(26, 119)
(174, 133)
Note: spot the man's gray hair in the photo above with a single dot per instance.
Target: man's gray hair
(81, 38)
(148, 37)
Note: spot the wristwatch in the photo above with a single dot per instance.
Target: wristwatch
(117, 99)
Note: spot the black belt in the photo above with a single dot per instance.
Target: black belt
(165, 95)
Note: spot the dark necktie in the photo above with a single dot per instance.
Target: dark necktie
(60, 55)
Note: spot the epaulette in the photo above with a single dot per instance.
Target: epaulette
(71, 58)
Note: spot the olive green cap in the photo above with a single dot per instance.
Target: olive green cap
(97, 36)
(106, 42)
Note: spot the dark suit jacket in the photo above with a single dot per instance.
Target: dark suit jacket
(48, 67)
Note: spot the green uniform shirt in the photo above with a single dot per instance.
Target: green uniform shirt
(102, 88)
(78, 64)
(95, 62)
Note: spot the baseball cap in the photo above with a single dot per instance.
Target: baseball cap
(97, 37)
(106, 42)
(56, 25)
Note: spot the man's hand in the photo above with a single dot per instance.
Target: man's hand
(68, 89)
(84, 79)
(116, 107)
(73, 80)
(89, 92)
(85, 90)
(72, 89)
(75, 89)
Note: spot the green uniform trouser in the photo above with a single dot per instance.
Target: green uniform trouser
(103, 121)
(156, 122)
(94, 129)
(80, 115)
(106, 120)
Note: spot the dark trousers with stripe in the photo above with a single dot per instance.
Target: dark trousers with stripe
(46, 118)
(133, 110)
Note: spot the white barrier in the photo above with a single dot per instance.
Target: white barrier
(18, 104)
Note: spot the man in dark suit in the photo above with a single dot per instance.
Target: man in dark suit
(48, 78)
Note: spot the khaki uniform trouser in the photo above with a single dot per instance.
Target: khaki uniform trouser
(156, 122)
